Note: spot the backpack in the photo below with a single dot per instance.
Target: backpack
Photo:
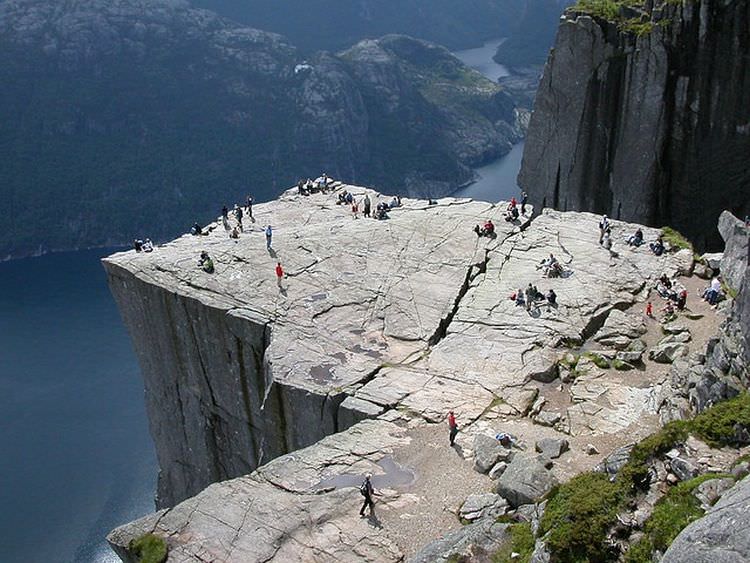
(364, 488)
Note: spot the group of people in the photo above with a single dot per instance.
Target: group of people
(511, 212)
(529, 297)
(239, 214)
(551, 267)
(487, 230)
(143, 246)
(365, 204)
(321, 184)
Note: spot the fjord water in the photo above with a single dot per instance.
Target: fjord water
(496, 180)
(76, 459)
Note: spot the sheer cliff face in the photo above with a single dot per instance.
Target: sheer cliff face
(652, 128)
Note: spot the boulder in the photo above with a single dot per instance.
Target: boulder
(684, 469)
(498, 470)
(620, 329)
(552, 447)
(721, 535)
(735, 258)
(615, 461)
(526, 480)
(710, 491)
(666, 352)
(487, 452)
(485, 534)
(547, 418)
(590, 449)
(675, 327)
(479, 506)
(713, 259)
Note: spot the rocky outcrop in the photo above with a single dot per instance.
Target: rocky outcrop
(398, 321)
(646, 118)
(721, 535)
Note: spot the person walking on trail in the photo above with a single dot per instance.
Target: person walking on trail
(279, 274)
(269, 235)
(250, 208)
(366, 490)
(452, 426)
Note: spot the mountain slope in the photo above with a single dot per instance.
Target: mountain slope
(135, 117)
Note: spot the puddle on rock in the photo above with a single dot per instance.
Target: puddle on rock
(317, 297)
(322, 374)
(395, 476)
(340, 356)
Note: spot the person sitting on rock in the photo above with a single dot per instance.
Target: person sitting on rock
(511, 213)
(636, 239)
(235, 234)
(518, 297)
(489, 228)
(196, 229)
(552, 268)
(657, 247)
(206, 263)
(138, 245)
(301, 190)
(669, 312)
(309, 187)
(396, 201)
(713, 291)
(349, 198)
(148, 246)
(342, 198)
(552, 298)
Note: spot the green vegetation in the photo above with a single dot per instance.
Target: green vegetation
(619, 365)
(579, 515)
(728, 290)
(521, 542)
(615, 11)
(675, 239)
(581, 512)
(672, 513)
(149, 548)
(599, 361)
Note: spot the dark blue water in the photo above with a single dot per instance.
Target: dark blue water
(76, 459)
(497, 180)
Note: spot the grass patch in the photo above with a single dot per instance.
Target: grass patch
(599, 361)
(620, 365)
(672, 513)
(728, 290)
(716, 424)
(581, 512)
(521, 542)
(578, 516)
(676, 239)
(149, 548)
(741, 459)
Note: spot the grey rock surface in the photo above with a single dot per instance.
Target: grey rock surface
(720, 536)
(483, 505)
(488, 451)
(526, 480)
(552, 447)
(485, 535)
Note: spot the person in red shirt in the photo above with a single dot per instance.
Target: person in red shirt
(650, 310)
(452, 426)
(279, 273)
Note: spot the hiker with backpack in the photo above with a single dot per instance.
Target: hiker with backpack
(366, 490)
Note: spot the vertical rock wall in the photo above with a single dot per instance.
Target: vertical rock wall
(651, 128)
(215, 412)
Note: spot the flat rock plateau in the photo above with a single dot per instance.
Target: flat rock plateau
(268, 404)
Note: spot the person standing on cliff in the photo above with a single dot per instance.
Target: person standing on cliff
(279, 274)
(524, 201)
(366, 490)
(452, 426)
(238, 215)
(269, 235)
(603, 227)
(250, 208)
(366, 205)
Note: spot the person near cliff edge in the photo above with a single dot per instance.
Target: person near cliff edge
(366, 490)
(250, 208)
(603, 227)
(452, 426)
(524, 201)
(269, 235)
(238, 215)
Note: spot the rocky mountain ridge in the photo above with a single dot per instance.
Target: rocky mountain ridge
(378, 330)
(643, 114)
(133, 118)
